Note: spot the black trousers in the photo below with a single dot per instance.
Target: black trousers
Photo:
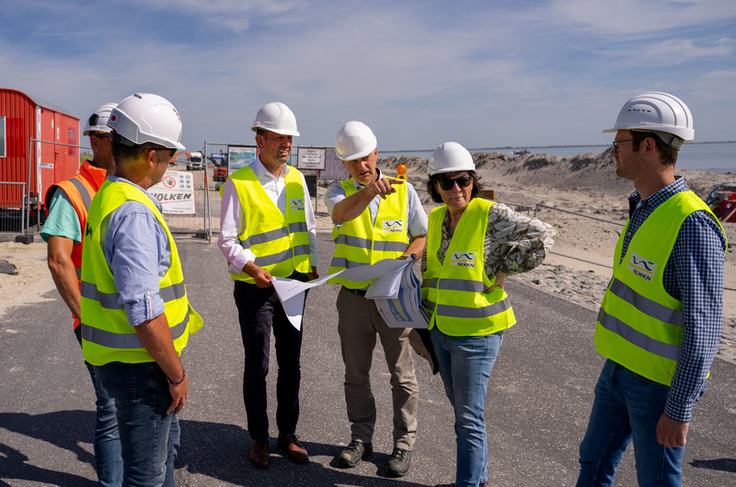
(259, 311)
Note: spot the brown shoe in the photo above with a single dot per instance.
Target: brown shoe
(293, 448)
(259, 455)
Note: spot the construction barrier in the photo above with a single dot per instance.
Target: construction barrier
(596, 243)
(13, 220)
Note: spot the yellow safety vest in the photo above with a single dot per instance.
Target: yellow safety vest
(454, 290)
(106, 334)
(640, 325)
(279, 241)
(360, 241)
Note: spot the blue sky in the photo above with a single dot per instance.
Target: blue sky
(419, 73)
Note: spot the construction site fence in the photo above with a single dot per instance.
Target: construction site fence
(199, 224)
(13, 218)
(593, 240)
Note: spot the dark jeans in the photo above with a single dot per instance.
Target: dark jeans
(260, 311)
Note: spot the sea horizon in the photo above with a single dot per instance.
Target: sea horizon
(717, 157)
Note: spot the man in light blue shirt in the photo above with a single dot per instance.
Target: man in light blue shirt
(358, 320)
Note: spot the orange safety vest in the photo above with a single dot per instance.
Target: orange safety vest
(80, 190)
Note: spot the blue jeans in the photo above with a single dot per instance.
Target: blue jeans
(149, 437)
(627, 406)
(108, 458)
(465, 365)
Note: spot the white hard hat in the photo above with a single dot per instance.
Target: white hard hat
(276, 117)
(450, 157)
(144, 117)
(354, 140)
(664, 114)
(97, 122)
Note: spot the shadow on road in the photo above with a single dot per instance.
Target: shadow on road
(215, 450)
(221, 451)
(723, 464)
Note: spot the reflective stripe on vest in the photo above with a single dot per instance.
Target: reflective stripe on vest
(639, 325)
(280, 241)
(79, 190)
(111, 300)
(362, 241)
(106, 334)
(82, 189)
(454, 290)
(129, 340)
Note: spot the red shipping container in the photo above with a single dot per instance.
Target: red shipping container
(23, 118)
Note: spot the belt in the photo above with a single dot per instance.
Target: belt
(359, 292)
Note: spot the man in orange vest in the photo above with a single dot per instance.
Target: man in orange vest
(67, 203)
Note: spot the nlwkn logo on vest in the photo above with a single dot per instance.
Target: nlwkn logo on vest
(393, 226)
(642, 267)
(463, 259)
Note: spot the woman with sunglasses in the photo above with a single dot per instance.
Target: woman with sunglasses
(472, 244)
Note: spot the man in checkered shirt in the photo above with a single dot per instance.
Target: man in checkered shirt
(661, 317)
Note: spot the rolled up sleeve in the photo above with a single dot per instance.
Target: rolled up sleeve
(136, 250)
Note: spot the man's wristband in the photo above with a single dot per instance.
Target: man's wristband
(183, 376)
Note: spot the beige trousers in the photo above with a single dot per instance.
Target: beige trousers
(358, 324)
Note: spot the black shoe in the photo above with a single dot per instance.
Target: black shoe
(399, 463)
(354, 453)
(259, 454)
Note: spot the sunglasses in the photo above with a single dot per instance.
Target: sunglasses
(448, 184)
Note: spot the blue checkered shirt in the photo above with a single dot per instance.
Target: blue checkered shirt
(693, 275)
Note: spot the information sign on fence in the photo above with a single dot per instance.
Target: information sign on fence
(334, 168)
(175, 192)
(310, 158)
(239, 156)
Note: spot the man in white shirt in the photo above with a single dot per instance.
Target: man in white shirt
(267, 229)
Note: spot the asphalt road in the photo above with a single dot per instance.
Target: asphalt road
(539, 399)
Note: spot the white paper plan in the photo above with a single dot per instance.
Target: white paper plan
(291, 291)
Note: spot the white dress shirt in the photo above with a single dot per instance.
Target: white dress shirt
(232, 218)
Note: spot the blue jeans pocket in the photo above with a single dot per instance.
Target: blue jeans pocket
(648, 381)
(118, 379)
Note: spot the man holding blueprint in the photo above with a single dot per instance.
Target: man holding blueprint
(375, 218)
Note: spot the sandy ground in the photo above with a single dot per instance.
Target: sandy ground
(584, 184)
(33, 279)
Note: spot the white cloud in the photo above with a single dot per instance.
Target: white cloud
(721, 74)
(637, 19)
(672, 52)
(418, 74)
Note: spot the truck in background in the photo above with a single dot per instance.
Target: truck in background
(195, 162)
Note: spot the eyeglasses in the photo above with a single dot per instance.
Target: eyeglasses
(448, 184)
(617, 142)
(102, 135)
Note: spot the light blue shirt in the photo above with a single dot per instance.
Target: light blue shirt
(416, 216)
(137, 250)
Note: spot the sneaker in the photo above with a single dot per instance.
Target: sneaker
(354, 453)
(399, 463)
